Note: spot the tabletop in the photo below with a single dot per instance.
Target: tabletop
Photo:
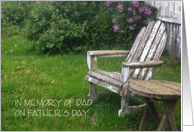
(156, 89)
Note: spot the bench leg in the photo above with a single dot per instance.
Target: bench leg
(169, 106)
(92, 92)
(124, 102)
(93, 95)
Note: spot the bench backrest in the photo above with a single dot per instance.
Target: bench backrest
(148, 46)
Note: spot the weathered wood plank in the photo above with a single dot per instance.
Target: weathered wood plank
(144, 120)
(168, 107)
(147, 46)
(108, 52)
(92, 92)
(157, 54)
(146, 92)
(142, 44)
(142, 64)
(170, 85)
(153, 49)
(91, 62)
(163, 123)
(105, 78)
(135, 45)
(153, 112)
(125, 73)
(159, 87)
(113, 75)
(136, 88)
(102, 84)
(166, 12)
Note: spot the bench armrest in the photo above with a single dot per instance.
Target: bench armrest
(142, 64)
(131, 65)
(93, 55)
(108, 53)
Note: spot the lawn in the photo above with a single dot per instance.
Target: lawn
(59, 82)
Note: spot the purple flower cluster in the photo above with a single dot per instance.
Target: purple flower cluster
(135, 3)
(142, 9)
(145, 9)
(131, 28)
(116, 27)
(120, 8)
(114, 20)
(110, 2)
(135, 11)
(130, 20)
(129, 9)
(137, 18)
(148, 21)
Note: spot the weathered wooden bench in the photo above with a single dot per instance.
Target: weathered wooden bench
(140, 64)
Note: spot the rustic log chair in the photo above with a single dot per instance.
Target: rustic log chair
(140, 64)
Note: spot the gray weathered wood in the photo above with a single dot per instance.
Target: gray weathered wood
(156, 89)
(168, 107)
(125, 73)
(102, 84)
(142, 44)
(135, 44)
(108, 52)
(158, 54)
(91, 62)
(153, 112)
(92, 92)
(105, 78)
(153, 49)
(114, 75)
(168, 11)
(142, 64)
(147, 46)
(144, 119)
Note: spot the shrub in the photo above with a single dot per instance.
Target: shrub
(15, 12)
(59, 27)
(128, 17)
(79, 26)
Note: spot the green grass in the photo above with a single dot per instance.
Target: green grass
(26, 76)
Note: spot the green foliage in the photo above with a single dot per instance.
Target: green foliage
(73, 26)
(58, 27)
(15, 12)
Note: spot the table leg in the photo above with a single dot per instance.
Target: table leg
(169, 106)
(153, 112)
(164, 122)
(144, 119)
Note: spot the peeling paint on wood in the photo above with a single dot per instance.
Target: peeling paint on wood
(170, 13)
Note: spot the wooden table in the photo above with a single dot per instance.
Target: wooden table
(155, 90)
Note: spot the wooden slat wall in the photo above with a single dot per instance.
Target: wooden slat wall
(170, 13)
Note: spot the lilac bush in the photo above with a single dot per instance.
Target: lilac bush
(127, 16)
